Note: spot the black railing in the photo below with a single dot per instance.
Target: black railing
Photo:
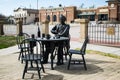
(104, 34)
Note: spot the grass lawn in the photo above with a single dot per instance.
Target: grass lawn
(7, 41)
(103, 53)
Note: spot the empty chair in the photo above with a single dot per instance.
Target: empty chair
(32, 56)
(81, 52)
(20, 37)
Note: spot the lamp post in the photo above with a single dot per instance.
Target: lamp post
(38, 33)
(37, 4)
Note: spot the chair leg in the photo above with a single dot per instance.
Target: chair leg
(31, 64)
(65, 52)
(55, 51)
(84, 62)
(67, 49)
(38, 70)
(25, 69)
(68, 67)
(19, 55)
(22, 57)
(21, 61)
(42, 67)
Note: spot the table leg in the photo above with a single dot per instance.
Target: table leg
(42, 47)
(52, 46)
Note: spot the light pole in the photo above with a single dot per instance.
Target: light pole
(37, 4)
(38, 33)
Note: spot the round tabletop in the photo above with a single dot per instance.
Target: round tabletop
(53, 39)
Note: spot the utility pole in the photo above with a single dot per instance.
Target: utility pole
(37, 4)
(38, 10)
(39, 32)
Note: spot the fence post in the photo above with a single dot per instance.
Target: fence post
(19, 26)
(45, 27)
(83, 29)
(1, 28)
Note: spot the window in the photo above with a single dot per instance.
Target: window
(48, 17)
(35, 15)
(54, 18)
(29, 14)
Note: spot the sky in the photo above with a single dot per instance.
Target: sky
(7, 6)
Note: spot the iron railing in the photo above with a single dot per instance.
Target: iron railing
(104, 34)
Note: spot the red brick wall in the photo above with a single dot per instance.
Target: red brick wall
(71, 12)
(113, 11)
(68, 12)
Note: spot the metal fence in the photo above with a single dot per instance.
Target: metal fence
(104, 34)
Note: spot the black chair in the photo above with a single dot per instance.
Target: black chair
(81, 52)
(32, 56)
(20, 37)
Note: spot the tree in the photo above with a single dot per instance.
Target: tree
(42, 7)
(3, 18)
(81, 6)
(60, 5)
(91, 7)
(50, 6)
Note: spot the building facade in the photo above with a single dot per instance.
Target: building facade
(104, 13)
(53, 14)
(26, 15)
(11, 20)
(114, 9)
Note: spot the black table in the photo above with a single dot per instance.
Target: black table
(52, 41)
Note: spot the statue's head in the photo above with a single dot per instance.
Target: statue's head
(62, 19)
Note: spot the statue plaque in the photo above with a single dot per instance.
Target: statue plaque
(110, 30)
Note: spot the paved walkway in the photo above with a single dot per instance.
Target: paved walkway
(99, 68)
(74, 44)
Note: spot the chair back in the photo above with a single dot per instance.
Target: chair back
(33, 49)
(83, 48)
(20, 37)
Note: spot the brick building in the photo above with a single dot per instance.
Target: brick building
(104, 13)
(52, 14)
(114, 9)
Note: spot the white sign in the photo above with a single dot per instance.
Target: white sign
(103, 10)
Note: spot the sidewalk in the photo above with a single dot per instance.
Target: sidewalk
(106, 49)
(9, 50)
(74, 44)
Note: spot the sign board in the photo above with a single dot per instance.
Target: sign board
(103, 10)
(110, 30)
